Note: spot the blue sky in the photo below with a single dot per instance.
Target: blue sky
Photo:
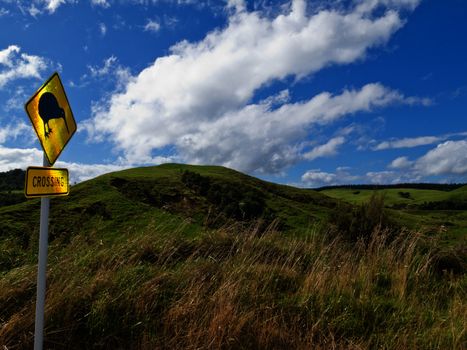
(309, 93)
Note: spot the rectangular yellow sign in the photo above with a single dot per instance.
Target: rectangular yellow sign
(42, 182)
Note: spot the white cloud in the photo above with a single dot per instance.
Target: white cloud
(11, 132)
(318, 178)
(315, 178)
(328, 149)
(448, 158)
(108, 65)
(400, 163)
(237, 5)
(6, 55)
(369, 5)
(16, 65)
(14, 158)
(198, 98)
(152, 26)
(408, 142)
(102, 3)
(34, 11)
(79, 172)
(102, 29)
(256, 137)
(383, 177)
(52, 5)
(21, 158)
(110, 75)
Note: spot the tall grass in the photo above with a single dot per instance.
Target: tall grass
(239, 289)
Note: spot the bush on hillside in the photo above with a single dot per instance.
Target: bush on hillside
(405, 195)
(450, 204)
(235, 200)
(359, 222)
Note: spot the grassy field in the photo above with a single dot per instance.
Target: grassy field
(397, 196)
(392, 196)
(208, 258)
(428, 210)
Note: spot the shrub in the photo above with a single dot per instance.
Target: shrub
(404, 194)
(358, 223)
(235, 200)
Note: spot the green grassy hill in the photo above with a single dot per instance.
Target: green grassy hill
(212, 197)
(186, 257)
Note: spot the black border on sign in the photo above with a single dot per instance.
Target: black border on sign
(45, 195)
(71, 112)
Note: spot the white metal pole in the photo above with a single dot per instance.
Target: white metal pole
(42, 269)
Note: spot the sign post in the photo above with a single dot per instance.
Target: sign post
(53, 121)
(42, 270)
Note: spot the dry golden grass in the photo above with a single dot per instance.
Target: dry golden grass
(231, 289)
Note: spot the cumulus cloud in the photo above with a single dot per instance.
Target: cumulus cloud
(14, 158)
(80, 172)
(400, 163)
(448, 158)
(21, 158)
(383, 177)
(16, 65)
(198, 98)
(342, 176)
(316, 177)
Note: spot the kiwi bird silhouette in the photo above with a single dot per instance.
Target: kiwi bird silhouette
(50, 109)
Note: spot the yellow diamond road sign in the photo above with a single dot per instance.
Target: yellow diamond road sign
(41, 181)
(51, 116)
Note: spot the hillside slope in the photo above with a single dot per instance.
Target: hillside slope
(198, 196)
